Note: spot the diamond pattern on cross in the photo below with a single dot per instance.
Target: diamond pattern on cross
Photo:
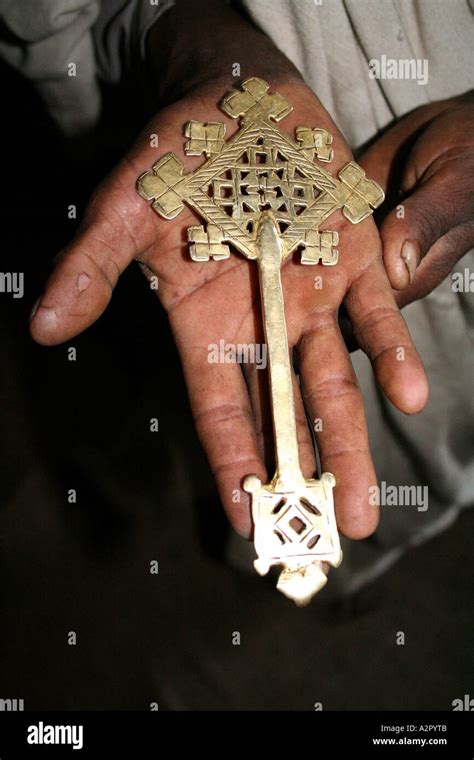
(294, 524)
(262, 179)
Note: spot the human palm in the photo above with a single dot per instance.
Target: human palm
(213, 301)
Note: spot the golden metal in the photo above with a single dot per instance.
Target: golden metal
(263, 193)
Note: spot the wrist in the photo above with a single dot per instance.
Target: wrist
(195, 45)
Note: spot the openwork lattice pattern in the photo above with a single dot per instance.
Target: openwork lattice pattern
(262, 179)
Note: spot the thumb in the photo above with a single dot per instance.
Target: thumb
(436, 206)
(117, 228)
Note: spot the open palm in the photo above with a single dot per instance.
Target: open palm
(219, 301)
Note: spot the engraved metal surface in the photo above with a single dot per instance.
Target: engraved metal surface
(264, 194)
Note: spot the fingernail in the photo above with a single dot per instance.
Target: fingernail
(83, 282)
(47, 317)
(34, 309)
(410, 256)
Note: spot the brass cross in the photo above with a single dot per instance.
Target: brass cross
(263, 194)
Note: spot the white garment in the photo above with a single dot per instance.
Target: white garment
(332, 43)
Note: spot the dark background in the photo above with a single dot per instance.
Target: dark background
(145, 496)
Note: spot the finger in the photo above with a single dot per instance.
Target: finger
(333, 398)
(257, 383)
(382, 159)
(118, 226)
(382, 334)
(437, 205)
(438, 263)
(225, 425)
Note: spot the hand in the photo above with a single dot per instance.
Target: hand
(220, 300)
(428, 159)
